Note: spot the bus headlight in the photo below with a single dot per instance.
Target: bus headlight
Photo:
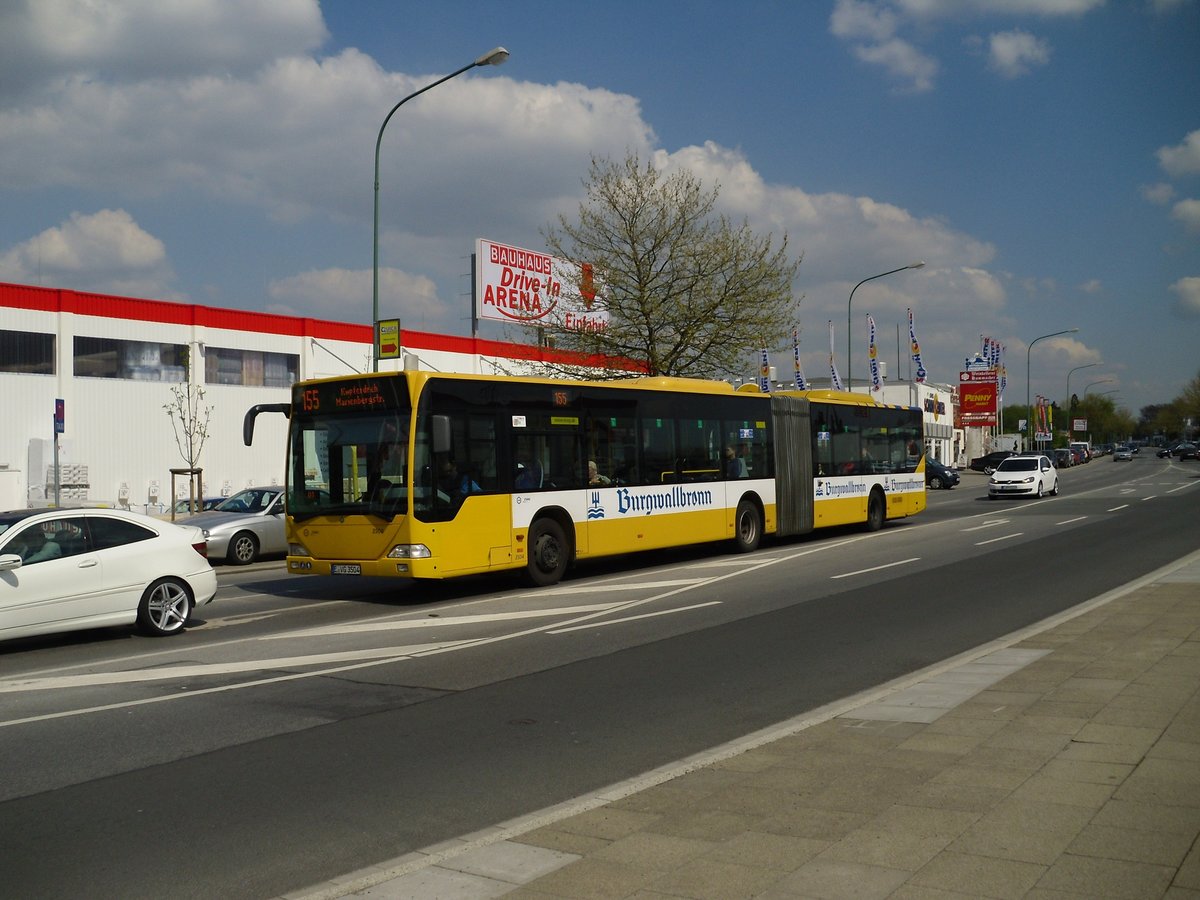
(298, 550)
(409, 551)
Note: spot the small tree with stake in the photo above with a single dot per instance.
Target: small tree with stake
(189, 413)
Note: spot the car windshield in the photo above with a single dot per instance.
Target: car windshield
(249, 500)
(1018, 465)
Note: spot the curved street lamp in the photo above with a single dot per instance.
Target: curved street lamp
(849, 356)
(491, 58)
(1094, 383)
(1028, 398)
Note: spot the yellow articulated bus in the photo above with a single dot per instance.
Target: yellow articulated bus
(433, 475)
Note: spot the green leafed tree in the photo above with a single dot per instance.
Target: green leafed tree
(687, 291)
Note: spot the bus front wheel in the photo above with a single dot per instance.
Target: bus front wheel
(548, 553)
(876, 511)
(747, 526)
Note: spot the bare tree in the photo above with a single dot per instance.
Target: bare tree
(189, 413)
(687, 292)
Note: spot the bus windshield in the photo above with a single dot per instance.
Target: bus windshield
(342, 465)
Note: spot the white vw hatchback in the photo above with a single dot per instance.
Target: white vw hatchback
(69, 569)
(1024, 475)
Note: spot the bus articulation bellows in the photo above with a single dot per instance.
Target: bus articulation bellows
(433, 475)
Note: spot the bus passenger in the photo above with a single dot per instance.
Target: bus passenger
(594, 476)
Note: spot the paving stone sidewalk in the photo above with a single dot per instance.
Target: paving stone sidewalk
(1066, 764)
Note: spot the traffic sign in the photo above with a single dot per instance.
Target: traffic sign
(387, 338)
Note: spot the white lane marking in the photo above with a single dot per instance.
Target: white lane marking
(996, 540)
(439, 622)
(437, 649)
(1069, 521)
(1182, 487)
(990, 523)
(899, 562)
(610, 586)
(1119, 508)
(140, 676)
(652, 615)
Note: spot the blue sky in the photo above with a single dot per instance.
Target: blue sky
(1041, 156)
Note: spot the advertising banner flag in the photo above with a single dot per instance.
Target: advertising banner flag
(873, 355)
(801, 384)
(1002, 372)
(764, 373)
(916, 350)
(835, 380)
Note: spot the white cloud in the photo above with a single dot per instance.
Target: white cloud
(874, 28)
(1160, 193)
(872, 25)
(1092, 286)
(1015, 53)
(859, 20)
(946, 9)
(1182, 159)
(326, 293)
(903, 61)
(131, 39)
(105, 251)
(1188, 292)
(1187, 212)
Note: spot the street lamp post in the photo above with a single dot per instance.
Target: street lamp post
(1070, 423)
(491, 58)
(1094, 383)
(849, 351)
(1028, 397)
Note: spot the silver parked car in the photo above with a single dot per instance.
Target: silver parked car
(244, 527)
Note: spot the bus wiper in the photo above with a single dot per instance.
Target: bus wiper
(331, 510)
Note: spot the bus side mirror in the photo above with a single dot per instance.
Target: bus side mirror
(252, 414)
(441, 434)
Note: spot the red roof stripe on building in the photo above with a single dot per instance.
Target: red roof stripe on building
(24, 296)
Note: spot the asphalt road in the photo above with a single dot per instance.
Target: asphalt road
(310, 727)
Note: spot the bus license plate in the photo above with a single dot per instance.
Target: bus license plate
(345, 569)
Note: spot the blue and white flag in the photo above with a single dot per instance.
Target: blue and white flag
(801, 384)
(873, 355)
(916, 349)
(764, 373)
(835, 380)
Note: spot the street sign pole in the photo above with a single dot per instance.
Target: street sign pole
(60, 424)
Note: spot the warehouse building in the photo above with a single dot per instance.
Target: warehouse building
(105, 369)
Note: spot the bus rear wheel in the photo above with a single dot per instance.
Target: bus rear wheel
(747, 527)
(549, 553)
(876, 511)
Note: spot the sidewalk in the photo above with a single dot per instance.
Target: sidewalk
(1063, 762)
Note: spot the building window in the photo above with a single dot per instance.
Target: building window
(223, 365)
(26, 351)
(135, 360)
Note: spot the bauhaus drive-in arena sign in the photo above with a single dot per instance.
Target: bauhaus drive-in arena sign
(531, 288)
